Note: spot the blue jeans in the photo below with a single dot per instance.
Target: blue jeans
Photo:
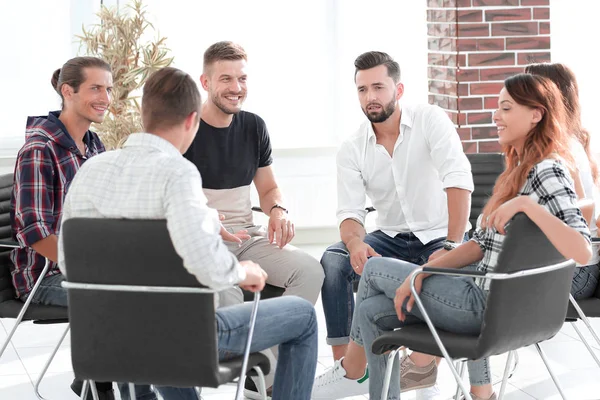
(454, 304)
(289, 322)
(585, 281)
(50, 292)
(337, 294)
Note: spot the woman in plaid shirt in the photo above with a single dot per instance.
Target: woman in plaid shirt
(538, 182)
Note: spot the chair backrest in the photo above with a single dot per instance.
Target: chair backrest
(485, 167)
(525, 310)
(139, 337)
(7, 291)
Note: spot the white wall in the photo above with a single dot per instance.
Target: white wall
(38, 39)
(301, 58)
(573, 29)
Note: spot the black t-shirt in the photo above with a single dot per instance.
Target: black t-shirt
(228, 158)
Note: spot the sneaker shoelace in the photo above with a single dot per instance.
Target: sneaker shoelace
(404, 364)
(331, 375)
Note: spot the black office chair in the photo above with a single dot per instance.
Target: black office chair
(486, 168)
(584, 308)
(531, 277)
(138, 316)
(10, 306)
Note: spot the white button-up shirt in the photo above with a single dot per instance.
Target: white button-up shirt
(150, 179)
(408, 188)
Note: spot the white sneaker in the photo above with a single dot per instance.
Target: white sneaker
(430, 393)
(333, 384)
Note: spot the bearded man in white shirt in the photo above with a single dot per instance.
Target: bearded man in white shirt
(409, 161)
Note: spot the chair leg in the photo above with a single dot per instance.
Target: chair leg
(94, 390)
(545, 360)
(506, 374)
(84, 389)
(388, 373)
(262, 385)
(585, 342)
(36, 387)
(516, 359)
(240, 387)
(584, 318)
(24, 308)
(131, 391)
(461, 372)
(437, 338)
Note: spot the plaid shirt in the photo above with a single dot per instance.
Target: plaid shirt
(45, 167)
(549, 183)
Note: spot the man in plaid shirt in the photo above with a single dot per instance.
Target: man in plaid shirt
(55, 147)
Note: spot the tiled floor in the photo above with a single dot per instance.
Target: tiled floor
(577, 371)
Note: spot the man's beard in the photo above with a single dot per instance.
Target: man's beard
(226, 110)
(383, 115)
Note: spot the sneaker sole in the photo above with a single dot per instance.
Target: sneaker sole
(417, 387)
(250, 394)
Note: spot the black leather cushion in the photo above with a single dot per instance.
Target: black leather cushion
(179, 346)
(589, 306)
(268, 292)
(9, 305)
(485, 167)
(419, 338)
(230, 369)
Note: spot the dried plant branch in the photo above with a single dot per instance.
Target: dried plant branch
(117, 39)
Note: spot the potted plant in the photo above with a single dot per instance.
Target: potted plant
(118, 39)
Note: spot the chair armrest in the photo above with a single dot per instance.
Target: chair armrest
(370, 209)
(139, 288)
(453, 271)
(257, 209)
(493, 275)
(9, 243)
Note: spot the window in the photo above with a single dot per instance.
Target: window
(301, 56)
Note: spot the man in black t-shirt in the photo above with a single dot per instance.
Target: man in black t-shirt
(232, 149)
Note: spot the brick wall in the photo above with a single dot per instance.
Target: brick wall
(473, 46)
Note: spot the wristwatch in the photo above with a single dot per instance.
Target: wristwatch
(450, 245)
(278, 206)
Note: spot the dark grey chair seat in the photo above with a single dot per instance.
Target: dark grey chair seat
(589, 306)
(420, 339)
(230, 370)
(137, 315)
(526, 304)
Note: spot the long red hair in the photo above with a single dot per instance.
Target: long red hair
(548, 139)
(565, 80)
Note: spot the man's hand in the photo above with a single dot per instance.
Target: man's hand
(437, 254)
(256, 277)
(404, 292)
(237, 237)
(359, 254)
(281, 229)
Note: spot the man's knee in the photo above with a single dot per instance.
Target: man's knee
(230, 297)
(335, 259)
